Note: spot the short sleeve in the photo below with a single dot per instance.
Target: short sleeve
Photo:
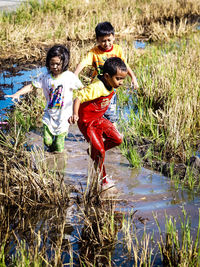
(38, 81)
(121, 55)
(92, 91)
(88, 60)
(75, 82)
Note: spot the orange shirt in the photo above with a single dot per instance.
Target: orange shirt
(97, 57)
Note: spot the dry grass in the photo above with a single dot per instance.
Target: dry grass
(24, 187)
(26, 181)
(36, 238)
(168, 100)
(179, 246)
(26, 35)
(169, 80)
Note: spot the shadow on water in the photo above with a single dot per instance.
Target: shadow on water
(141, 190)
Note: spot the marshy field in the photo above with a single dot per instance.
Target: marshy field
(46, 221)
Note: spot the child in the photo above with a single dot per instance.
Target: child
(88, 110)
(99, 54)
(57, 84)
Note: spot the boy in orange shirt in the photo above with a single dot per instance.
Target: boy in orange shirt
(97, 56)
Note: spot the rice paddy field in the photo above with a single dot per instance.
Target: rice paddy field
(160, 122)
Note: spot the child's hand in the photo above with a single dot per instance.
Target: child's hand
(134, 84)
(14, 97)
(73, 119)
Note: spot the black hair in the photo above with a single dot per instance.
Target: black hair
(103, 29)
(58, 51)
(112, 64)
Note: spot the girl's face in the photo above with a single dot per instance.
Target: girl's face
(55, 66)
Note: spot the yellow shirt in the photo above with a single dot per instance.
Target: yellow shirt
(97, 57)
(94, 90)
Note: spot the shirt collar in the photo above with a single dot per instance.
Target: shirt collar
(105, 50)
(101, 78)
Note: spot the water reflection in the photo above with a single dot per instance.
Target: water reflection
(11, 82)
(141, 189)
(41, 230)
(143, 183)
(140, 44)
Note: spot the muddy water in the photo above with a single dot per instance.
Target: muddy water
(11, 81)
(140, 190)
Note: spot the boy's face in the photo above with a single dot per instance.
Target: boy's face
(116, 80)
(106, 42)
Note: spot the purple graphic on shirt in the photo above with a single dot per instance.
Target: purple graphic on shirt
(55, 97)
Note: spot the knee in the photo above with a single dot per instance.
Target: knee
(48, 141)
(47, 136)
(102, 152)
(119, 140)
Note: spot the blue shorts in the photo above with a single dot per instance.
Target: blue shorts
(111, 112)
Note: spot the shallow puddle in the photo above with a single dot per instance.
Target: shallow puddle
(143, 190)
(11, 82)
(140, 189)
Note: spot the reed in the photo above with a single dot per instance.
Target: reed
(26, 33)
(177, 247)
(34, 238)
(168, 101)
(98, 236)
(40, 240)
(25, 178)
(102, 226)
(140, 248)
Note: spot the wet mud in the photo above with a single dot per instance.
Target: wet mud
(143, 191)
(180, 167)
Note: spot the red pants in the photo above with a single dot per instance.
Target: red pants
(102, 135)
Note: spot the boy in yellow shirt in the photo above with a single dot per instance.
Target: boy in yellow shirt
(89, 107)
(97, 56)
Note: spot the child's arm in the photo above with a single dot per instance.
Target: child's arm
(24, 90)
(133, 78)
(79, 69)
(87, 61)
(74, 118)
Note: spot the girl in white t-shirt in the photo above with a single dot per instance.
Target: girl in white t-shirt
(57, 84)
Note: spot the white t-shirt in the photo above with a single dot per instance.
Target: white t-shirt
(58, 93)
